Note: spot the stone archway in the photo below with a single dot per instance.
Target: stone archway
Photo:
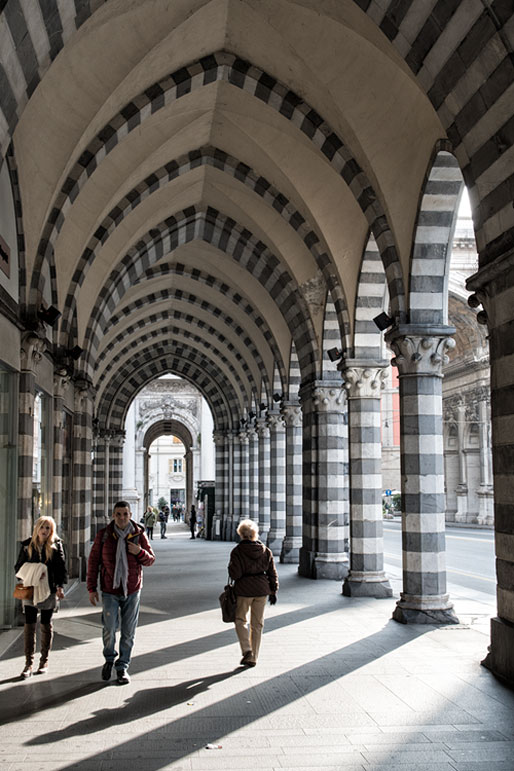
(170, 428)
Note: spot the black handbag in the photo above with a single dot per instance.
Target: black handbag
(228, 601)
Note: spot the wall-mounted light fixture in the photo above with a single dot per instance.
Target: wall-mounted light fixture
(334, 354)
(383, 321)
(277, 397)
(75, 352)
(49, 315)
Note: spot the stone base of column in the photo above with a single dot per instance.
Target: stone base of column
(359, 584)
(485, 505)
(263, 535)
(461, 515)
(275, 542)
(216, 527)
(290, 553)
(423, 609)
(500, 660)
(324, 566)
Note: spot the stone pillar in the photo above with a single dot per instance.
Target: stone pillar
(264, 478)
(244, 467)
(101, 513)
(219, 484)
(325, 502)
(117, 440)
(32, 349)
(129, 491)
(292, 417)
(494, 287)
(82, 498)
(420, 355)
(189, 461)
(253, 473)
(485, 491)
(363, 383)
(61, 382)
(461, 515)
(277, 529)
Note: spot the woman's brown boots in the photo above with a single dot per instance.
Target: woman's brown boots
(29, 636)
(46, 644)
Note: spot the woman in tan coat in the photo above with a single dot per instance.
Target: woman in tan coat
(253, 569)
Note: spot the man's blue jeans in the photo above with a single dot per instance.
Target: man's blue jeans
(123, 613)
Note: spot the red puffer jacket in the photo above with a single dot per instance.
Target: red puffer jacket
(102, 559)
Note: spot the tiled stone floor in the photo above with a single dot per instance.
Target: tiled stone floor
(338, 684)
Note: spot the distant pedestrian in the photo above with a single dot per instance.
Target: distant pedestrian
(163, 521)
(192, 521)
(253, 569)
(149, 521)
(118, 554)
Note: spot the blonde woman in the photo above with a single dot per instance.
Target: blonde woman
(253, 569)
(44, 548)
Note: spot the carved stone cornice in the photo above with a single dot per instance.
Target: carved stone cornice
(364, 382)
(32, 350)
(291, 415)
(420, 351)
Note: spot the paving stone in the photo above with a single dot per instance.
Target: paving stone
(338, 686)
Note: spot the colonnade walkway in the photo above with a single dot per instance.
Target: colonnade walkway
(338, 685)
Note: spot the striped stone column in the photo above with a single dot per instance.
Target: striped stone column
(82, 528)
(32, 349)
(277, 529)
(324, 551)
(363, 382)
(264, 478)
(61, 382)
(494, 287)
(228, 484)
(292, 417)
(219, 506)
(420, 355)
(100, 479)
(244, 466)
(115, 467)
(236, 485)
(253, 473)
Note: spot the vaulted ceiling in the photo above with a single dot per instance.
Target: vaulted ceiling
(196, 175)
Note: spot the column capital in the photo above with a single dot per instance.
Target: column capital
(420, 350)
(274, 420)
(291, 414)
(243, 437)
(262, 428)
(111, 436)
(218, 438)
(328, 398)
(32, 349)
(61, 382)
(364, 380)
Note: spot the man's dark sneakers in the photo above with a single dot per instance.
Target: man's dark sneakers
(122, 677)
(106, 670)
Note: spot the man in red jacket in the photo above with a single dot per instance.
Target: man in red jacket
(118, 554)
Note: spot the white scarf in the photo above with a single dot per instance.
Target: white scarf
(121, 568)
(35, 574)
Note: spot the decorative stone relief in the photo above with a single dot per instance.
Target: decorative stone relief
(328, 398)
(420, 354)
(314, 290)
(32, 349)
(292, 415)
(364, 382)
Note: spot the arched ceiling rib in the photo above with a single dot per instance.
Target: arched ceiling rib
(168, 428)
